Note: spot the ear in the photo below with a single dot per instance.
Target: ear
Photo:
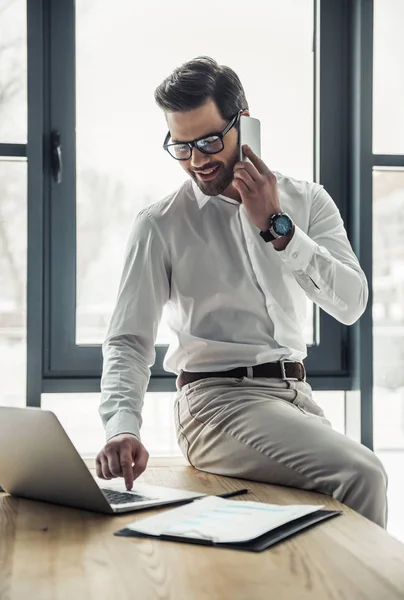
(246, 113)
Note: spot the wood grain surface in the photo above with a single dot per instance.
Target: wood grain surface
(56, 553)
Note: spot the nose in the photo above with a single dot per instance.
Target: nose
(198, 159)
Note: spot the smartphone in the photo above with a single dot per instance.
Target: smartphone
(249, 133)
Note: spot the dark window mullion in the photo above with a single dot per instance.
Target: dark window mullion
(13, 150)
(37, 32)
(331, 121)
(361, 162)
(388, 160)
(62, 283)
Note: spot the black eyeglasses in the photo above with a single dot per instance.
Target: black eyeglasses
(209, 144)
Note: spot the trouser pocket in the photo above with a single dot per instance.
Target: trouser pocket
(305, 402)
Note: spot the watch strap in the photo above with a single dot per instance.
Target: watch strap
(267, 236)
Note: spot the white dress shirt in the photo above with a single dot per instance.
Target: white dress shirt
(230, 298)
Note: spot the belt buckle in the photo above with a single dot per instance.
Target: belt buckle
(283, 372)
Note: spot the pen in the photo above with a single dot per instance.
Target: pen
(231, 494)
(225, 495)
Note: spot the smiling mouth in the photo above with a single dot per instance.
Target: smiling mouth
(207, 173)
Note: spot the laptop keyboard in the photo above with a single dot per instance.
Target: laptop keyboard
(114, 497)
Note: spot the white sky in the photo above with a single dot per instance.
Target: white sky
(122, 55)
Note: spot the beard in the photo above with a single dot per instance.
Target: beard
(223, 179)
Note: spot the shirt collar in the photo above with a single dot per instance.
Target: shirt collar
(202, 199)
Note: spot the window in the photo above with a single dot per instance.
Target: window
(388, 303)
(13, 279)
(121, 166)
(13, 201)
(107, 177)
(388, 77)
(13, 72)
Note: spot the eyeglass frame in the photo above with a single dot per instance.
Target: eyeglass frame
(193, 144)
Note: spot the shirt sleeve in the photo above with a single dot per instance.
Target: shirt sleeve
(324, 263)
(128, 349)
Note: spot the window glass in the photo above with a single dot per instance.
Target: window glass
(13, 72)
(13, 281)
(388, 77)
(122, 56)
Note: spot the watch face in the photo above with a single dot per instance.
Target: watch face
(282, 225)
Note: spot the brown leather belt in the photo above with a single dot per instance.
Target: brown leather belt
(287, 370)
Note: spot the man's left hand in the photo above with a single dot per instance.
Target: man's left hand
(258, 189)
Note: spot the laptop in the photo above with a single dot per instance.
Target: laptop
(38, 461)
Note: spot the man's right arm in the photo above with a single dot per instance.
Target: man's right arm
(128, 350)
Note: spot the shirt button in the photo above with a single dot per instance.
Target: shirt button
(295, 254)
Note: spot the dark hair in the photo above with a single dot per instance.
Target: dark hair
(195, 82)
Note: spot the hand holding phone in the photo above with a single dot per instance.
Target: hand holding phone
(253, 180)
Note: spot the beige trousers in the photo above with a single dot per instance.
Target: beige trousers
(272, 431)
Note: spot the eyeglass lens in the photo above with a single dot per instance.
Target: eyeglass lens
(209, 145)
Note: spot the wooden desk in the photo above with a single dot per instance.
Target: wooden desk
(55, 553)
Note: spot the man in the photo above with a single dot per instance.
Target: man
(233, 254)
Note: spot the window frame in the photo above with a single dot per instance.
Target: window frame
(343, 359)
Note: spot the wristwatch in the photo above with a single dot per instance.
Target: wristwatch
(280, 225)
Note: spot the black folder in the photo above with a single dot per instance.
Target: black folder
(258, 544)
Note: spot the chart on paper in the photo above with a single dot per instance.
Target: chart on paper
(220, 520)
